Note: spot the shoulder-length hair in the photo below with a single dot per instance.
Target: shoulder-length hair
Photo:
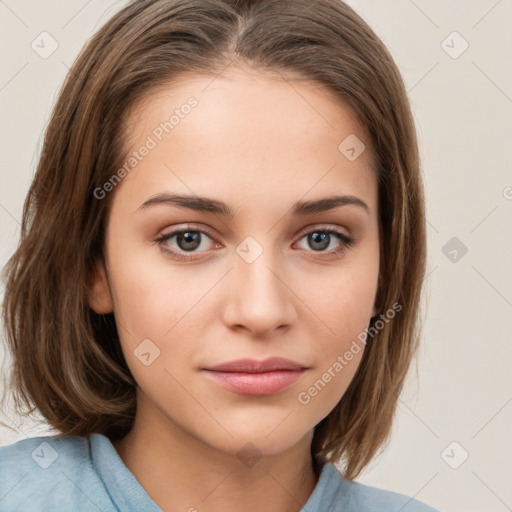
(66, 359)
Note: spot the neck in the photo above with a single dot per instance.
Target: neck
(183, 473)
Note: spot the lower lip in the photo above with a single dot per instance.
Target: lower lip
(257, 384)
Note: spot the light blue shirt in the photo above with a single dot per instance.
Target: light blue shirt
(86, 474)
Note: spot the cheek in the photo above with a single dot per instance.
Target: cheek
(150, 295)
(343, 304)
(159, 311)
(158, 331)
(352, 303)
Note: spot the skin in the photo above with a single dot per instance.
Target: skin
(259, 145)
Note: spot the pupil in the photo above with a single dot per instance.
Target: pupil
(319, 238)
(188, 240)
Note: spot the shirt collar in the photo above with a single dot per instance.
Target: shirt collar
(124, 489)
(328, 490)
(128, 494)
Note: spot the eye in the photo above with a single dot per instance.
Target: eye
(187, 239)
(321, 238)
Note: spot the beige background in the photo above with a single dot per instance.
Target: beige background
(463, 108)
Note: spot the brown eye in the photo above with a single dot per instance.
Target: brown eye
(320, 239)
(186, 240)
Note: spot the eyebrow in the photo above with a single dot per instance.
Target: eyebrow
(205, 204)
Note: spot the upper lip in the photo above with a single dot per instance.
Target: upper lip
(254, 366)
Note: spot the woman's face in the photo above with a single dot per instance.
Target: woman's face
(250, 157)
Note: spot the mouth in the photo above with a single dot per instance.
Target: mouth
(257, 378)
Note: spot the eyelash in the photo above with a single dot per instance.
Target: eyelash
(346, 240)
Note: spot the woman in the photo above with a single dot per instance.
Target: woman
(222, 254)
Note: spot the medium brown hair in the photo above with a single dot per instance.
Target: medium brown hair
(66, 359)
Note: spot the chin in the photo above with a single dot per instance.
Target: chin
(260, 442)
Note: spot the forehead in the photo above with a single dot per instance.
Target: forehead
(256, 132)
(238, 95)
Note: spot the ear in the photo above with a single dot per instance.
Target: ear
(99, 296)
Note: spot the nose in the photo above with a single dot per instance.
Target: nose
(260, 296)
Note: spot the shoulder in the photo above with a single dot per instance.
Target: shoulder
(39, 473)
(367, 497)
(354, 496)
(67, 445)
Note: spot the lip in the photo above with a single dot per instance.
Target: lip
(257, 378)
(253, 366)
